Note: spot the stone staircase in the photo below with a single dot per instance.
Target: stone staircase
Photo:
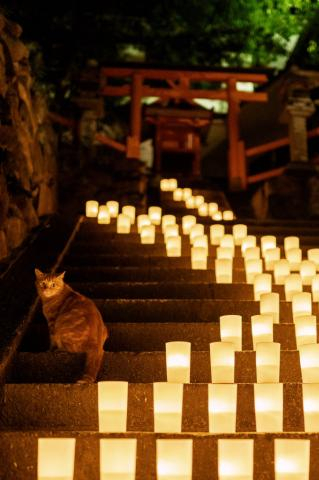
(148, 299)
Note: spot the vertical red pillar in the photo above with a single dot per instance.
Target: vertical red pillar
(133, 141)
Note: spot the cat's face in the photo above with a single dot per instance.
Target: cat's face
(49, 284)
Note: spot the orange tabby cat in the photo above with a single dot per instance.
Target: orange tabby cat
(75, 323)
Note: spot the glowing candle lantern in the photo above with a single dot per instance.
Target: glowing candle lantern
(269, 407)
(248, 242)
(56, 458)
(253, 268)
(187, 192)
(267, 242)
(281, 271)
(168, 405)
(172, 184)
(313, 256)
(227, 241)
(270, 305)
(262, 329)
(235, 459)
(174, 246)
(130, 211)
(164, 185)
(292, 458)
(195, 231)
(118, 458)
(222, 408)
(178, 195)
(178, 361)
(293, 285)
(294, 257)
(223, 270)
(217, 216)
(222, 362)
(142, 221)
(228, 215)
(307, 271)
(123, 224)
(216, 233)
(224, 252)
(155, 215)
(311, 406)
(174, 459)
(199, 200)
(290, 242)
(301, 304)
(201, 241)
(103, 216)
(309, 362)
(112, 405)
(203, 210)
(188, 221)
(306, 330)
(148, 234)
(91, 208)
(171, 231)
(212, 208)
(271, 256)
(239, 233)
(252, 253)
(231, 330)
(199, 258)
(168, 220)
(315, 288)
(262, 284)
(113, 207)
(267, 362)
(190, 202)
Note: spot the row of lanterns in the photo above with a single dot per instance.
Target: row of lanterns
(174, 459)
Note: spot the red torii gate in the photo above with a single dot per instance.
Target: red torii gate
(179, 87)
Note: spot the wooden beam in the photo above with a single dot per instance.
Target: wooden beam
(235, 181)
(105, 140)
(66, 122)
(267, 147)
(133, 141)
(251, 96)
(259, 177)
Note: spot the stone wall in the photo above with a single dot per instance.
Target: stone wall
(27, 145)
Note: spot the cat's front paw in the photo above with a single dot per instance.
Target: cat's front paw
(85, 380)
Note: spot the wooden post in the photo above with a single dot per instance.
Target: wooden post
(133, 141)
(235, 180)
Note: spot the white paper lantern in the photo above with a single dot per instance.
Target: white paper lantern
(292, 458)
(222, 362)
(231, 330)
(222, 408)
(294, 257)
(164, 185)
(56, 458)
(313, 256)
(178, 195)
(174, 459)
(174, 246)
(252, 253)
(235, 459)
(306, 330)
(239, 233)
(118, 458)
(172, 184)
(203, 210)
(123, 224)
(307, 271)
(269, 407)
(195, 231)
(310, 392)
(113, 207)
(262, 329)
(293, 285)
(217, 216)
(301, 304)
(199, 258)
(315, 288)
(188, 221)
(212, 208)
(225, 252)
(142, 221)
(291, 242)
(201, 241)
(270, 305)
(130, 211)
(155, 215)
(281, 271)
(216, 233)
(253, 268)
(267, 242)
(199, 200)
(168, 406)
(190, 203)
(271, 256)
(178, 355)
(91, 208)
(148, 234)
(228, 215)
(112, 406)
(228, 242)
(187, 192)
(171, 231)
(168, 220)
(267, 362)
(262, 284)
(248, 242)
(309, 362)
(223, 270)
(103, 217)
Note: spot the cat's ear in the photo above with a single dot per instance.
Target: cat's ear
(61, 276)
(38, 273)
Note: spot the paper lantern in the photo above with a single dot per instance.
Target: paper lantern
(227, 241)
(313, 256)
(223, 270)
(301, 304)
(292, 457)
(174, 246)
(267, 362)
(148, 234)
(172, 184)
(253, 268)
(112, 406)
(171, 231)
(118, 458)
(315, 288)
(168, 405)
(252, 253)
(103, 217)
(199, 258)
(155, 215)
(195, 231)
(222, 362)
(199, 200)
(231, 330)
(270, 305)
(130, 211)
(293, 285)
(222, 408)
(291, 242)
(178, 195)
(294, 257)
(174, 459)
(239, 233)
(262, 329)
(309, 362)
(91, 208)
(164, 185)
(188, 221)
(306, 330)
(248, 242)
(228, 215)
(203, 210)
(168, 220)
(187, 192)
(310, 393)
(217, 216)
(178, 359)
(281, 271)
(212, 208)
(216, 233)
(142, 221)
(190, 202)
(271, 256)
(123, 224)
(56, 458)
(307, 271)
(267, 242)
(113, 207)
(262, 284)
(201, 241)
(235, 459)
(224, 252)
(269, 407)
